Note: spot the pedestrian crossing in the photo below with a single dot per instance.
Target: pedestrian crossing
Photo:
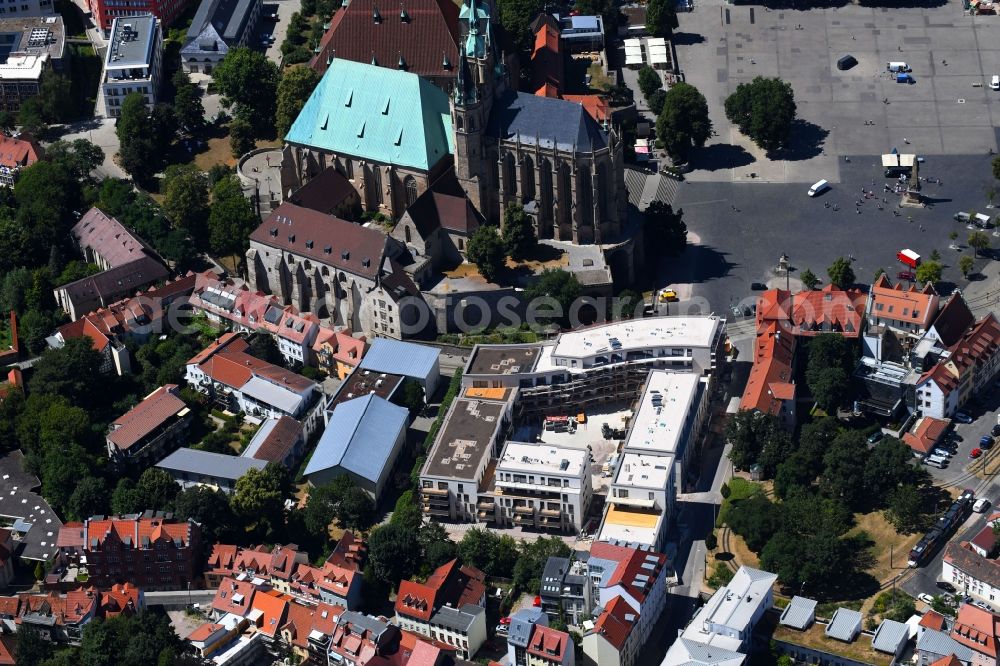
(666, 190)
(635, 182)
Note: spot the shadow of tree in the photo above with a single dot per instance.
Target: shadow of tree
(721, 156)
(687, 38)
(805, 141)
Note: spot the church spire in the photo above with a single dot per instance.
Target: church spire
(465, 86)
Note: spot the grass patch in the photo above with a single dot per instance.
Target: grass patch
(884, 536)
(503, 336)
(721, 575)
(85, 78)
(739, 489)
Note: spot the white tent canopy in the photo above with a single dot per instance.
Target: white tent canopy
(658, 51)
(633, 52)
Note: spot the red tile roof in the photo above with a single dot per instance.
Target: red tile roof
(222, 558)
(156, 409)
(234, 596)
(977, 628)
(912, 305)
(273, 606)
(985, 539)
(280, 441)
(428, 36)
(325, 617)
(226, 362)
(131, 530)
(20, 152)
(448, 584)
(950, 660)
(595, 106)
(953, 320)
(771, 379)
(121, 598)
(548, 643)
(547, 60)
(926, 434)
(204, 632)
(349, 553)
(814, 312)
(8, 645)
(613, 625)
(298, 623)
(932, 620)
(352, 247)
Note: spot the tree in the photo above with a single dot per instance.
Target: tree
(138, 151)
(764, 110)
(649, 81)
(208, 507)
(185, 198)
(683, 124)
(518, 232)
(188, 107)
(407, 512)
(31, 649)
(231, 219)
(89, 498)
(531, 564)
(661, 17)
(248, 81)
(656, 101)
(829, 388)
(711, 541)
(756, 519)
(843, 475)
(894, 605)
(486, 251)
(979, 241)
(241, 137)
(558, 284)
(143, 638)
(295, 87)
(663, 229)
(393, 553)
(756, 438)
(68, 372)
(412, 396)
(156, 490)
(809, 279)
(356, 509)
(259, 497)
(840, 273)
(31, 116)
(966, 264)
(516, 17)
(163, 124)
(929, 271)
(80, 156)
(831, 360)
(904, 509)
(890, 466)
(263, 346)
(126, 497)
(996, 167)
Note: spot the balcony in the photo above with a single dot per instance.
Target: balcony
(555, 513)
(434, 491)
(486, 505)
(525, 509)
(437, 510)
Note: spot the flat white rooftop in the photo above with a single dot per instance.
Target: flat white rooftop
(641, 470)
(735, 605)
(663, 411)
(638, 334)
(543, 459)
(626, 524)
(21, 67)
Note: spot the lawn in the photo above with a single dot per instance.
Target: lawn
(885, 537)
(815, 637)
(219, 152)
(739, 489)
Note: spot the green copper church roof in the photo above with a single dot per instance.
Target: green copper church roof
(375, 113)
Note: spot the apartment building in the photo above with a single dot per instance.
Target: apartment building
(969, 367)
(107, 11)
(148, 550)
(540, 486)
(904, 310)
(449, 607)
(34, 44)
(239, 382)
(133, 62)
(152, 428)
(566, 590)
(531, 642)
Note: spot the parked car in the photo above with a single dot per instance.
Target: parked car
(962, 417)
(975, 453)
(667, 295)
(505, 620)
(980, 505)
(954, 436)
(986, 442)
(946, 586)
(938, 451)
(273, 16)
(982, 604)
(758, 286)
(906, 275)
(875, 437)
(996, 430)
(926, 598)
(501, 629)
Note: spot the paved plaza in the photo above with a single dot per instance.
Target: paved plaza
(744, 208)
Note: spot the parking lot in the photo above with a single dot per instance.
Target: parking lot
(744, 209)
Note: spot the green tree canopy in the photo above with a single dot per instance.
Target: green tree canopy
(966, 264)
(185, 198)
(683, 124)
(904, 510)
(764, 110)
(649, 81)
(929, 271)
(516, 17)
(486, 250)
(756, 438)
(979, 241)
(661, 17)
(840, 273)
(188, 106)
(208, 507)
(393, 554)
(231, 218)
(518, 232)
(558, 284)
(248, 81)
(809, 279)
(294, 88)
(138, 152)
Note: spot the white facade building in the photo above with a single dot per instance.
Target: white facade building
(133, 62)
(543, 486)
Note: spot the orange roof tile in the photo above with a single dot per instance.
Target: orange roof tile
(273, 605)
(771, 379)
(613, 625)
(911, 305)
(926, 433)
(977, 628)
(138, 422)
(204, 632)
